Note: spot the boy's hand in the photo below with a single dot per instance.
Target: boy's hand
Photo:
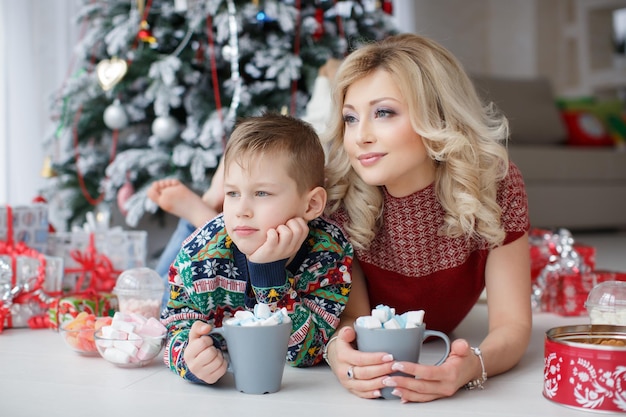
(282, 242)
(203, 359)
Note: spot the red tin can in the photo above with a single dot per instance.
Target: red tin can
(585, 367)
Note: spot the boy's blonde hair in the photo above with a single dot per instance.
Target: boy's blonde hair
(464, 136)
(275, 134)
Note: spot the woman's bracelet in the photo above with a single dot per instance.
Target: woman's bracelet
(325, 350)
(477, 383)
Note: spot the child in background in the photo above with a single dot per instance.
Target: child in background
(269, 246)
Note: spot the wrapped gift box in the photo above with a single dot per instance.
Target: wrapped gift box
(28, 224)
(28, 278)
(567, 292)
(546, 245)
(561, 272)
(24, 296)
(66, 308)
(94, 260)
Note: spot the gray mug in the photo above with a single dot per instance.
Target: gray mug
(404, 344)
(256, 355)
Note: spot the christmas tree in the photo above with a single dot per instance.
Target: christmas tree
(158, 85)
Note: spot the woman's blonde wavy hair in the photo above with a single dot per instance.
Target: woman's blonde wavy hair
(463, 135)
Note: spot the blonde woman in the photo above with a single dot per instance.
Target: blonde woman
(419, 177)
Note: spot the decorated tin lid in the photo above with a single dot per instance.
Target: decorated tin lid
(606, 303)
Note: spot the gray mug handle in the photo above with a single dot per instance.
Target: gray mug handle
(220, 331)
(442, 336)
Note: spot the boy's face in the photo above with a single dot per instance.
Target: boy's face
(258, 198)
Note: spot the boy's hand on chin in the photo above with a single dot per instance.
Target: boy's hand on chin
(282, 242)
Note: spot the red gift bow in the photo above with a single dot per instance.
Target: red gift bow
(18, 296)
(103, 274)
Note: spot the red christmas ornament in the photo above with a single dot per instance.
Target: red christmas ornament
(144, 33)
(123, 194)
(387, 6)
(319, 18)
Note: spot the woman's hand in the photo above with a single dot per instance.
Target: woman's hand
(359, 372)
(429, 382)
(203, 359)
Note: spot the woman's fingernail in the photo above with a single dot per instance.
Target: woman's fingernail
(397, 366)
(397, 393)
(389, 382)
(387, 358)
(376, 394)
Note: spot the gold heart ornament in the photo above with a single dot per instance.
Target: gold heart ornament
(110, 72)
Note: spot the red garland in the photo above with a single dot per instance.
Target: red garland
(13, 250)
(214, 78)
(81, 179)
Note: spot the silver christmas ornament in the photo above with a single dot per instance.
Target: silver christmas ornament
(165, 127)
(115, 117)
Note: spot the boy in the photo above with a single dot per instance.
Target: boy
(269, 246)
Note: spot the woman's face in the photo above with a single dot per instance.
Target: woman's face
(383, 148)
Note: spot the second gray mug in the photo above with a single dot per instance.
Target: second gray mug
(404, 344)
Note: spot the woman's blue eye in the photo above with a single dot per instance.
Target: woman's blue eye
(232, 194)
(262, 194)
(349, 118)
(384, 113)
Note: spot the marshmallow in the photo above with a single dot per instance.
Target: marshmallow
(383, 313)
(152, 327)
(386, 317)
(261, 316)
(116, 356)
(262, 311)
(392, 324)
(414, 318)
(244, 314)
(368, 322)
(148, 350)
(110, 332)
(131, 338)
(123, 326)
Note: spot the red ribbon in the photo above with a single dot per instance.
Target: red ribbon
(14, 250)
(103, 274)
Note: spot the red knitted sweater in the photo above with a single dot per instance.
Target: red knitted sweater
(410, 267)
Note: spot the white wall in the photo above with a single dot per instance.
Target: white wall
(36, 41)
(4, 168)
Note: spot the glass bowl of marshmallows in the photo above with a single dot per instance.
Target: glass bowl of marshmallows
(131, 340)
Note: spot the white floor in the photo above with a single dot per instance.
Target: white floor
(610, 249)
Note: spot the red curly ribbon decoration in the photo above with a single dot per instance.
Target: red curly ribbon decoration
(99, 266)
(13, 250)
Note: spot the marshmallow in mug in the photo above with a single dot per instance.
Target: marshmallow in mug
(385, 317)
(261, 316)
